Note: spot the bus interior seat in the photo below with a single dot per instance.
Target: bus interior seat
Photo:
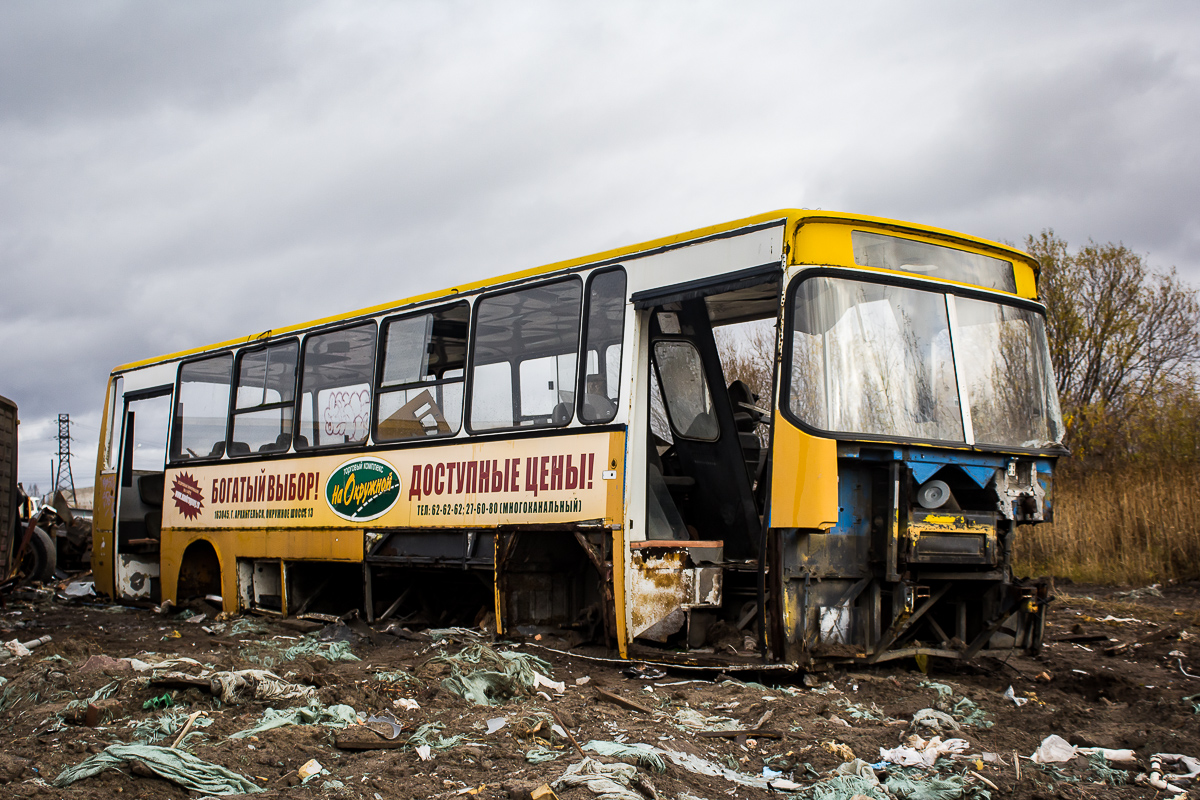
(302, 442)
(282, 442)
(150, 488)
(239, 449)
(596, 405)
(218, 450)
(562, 414)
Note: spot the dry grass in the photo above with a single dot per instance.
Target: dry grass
(1134, 526)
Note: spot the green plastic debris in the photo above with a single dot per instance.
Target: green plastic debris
(1105, 772)
(486, 677)
(154, 729)
(330, 651)
(179, 767)
(429, 735)
(156, 703)
(337, 716)
(540, 755)
(644, 753)
(692, 720)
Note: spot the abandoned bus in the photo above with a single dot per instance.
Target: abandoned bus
(562, 447)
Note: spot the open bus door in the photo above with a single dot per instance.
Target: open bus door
(697, 576)
(140, 462)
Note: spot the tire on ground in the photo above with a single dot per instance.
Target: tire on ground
(41, 558)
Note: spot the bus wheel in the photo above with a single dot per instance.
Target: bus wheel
(40, 559)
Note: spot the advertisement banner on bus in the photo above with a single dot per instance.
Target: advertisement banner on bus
(481, 483)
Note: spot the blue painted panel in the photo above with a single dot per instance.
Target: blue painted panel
(981, 475)
(923, 471)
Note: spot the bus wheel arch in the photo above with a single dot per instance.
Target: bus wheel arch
(199, 572)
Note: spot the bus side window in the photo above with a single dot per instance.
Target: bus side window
(335, 387)
(523, 370)
(602, 351)
(201, 408)
(421, 380)
(263, 408)
(116, 406)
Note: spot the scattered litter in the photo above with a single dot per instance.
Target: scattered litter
(608, 781)
(256, 684)
(337, 716)
(496, 723)
(442, 635)
(919, 752)
(541, 754)
(644, 672)
(156, 703)
(583, 681)
(1009, 694)
(936, 720)
(1118, 620)
(385, 725)
(309, 770)
(484, 676)
(691, 719)
(424, 751)
(429, 736)
(156, 728)
(176, 766)
(644, 753)
(1145, 591)
(80, 589)
(407, 703)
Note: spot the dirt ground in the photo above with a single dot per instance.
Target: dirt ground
(1112, 675)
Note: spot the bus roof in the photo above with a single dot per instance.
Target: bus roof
(788, 215)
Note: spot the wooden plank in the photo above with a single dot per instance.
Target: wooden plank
(624, 702)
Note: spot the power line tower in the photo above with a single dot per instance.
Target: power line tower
(64, 480)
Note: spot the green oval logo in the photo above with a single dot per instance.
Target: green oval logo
(362, 489)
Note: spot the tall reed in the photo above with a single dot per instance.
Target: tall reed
(1118, 526)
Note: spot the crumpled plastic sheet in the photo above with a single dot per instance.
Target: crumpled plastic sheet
(541, 754)
(486, 677)
(1054, 750)
(179, 767)
(337, 716)
(256, 684)
(937, 720)
(644, 753)
(156, 728)
(430, 735)
(606, 781)
(439, 635)
(691, 719)
(330, 651)
(916, 752)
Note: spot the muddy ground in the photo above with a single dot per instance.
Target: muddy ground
(1112, 675)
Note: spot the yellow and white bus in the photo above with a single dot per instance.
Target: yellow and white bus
(561, 447)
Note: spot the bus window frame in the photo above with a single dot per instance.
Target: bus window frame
(380, 355)
(514, 369)
(206, 459)
(233, 409)
(931, 285)
(581, 364)
(298, 394)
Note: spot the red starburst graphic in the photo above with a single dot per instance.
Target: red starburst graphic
(185, 491)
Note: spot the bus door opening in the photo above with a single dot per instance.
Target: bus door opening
(697, 570)
(140, 492)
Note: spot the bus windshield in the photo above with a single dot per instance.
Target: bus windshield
(902, 362)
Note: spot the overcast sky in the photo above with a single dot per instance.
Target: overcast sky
(174, 174)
